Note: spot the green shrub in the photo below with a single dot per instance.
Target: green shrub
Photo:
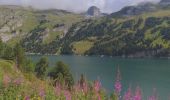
(41, 67)
(61, 73)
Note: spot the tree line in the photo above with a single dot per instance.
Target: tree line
(58, 73)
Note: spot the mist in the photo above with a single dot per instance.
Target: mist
(106, 6)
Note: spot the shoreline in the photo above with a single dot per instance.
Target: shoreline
(101, 56)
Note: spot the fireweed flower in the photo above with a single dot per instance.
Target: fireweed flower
(18, 81)
(118, 85)
(99, 98)
(67, 94)
(27, 98)
(85, 87)
(138, 94)
(42, 92)
(128, 95)
(97, 86)
(58, 89)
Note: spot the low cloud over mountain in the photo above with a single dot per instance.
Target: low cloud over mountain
(76, 5)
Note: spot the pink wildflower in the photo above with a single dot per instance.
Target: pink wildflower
(27, 98)
(128, 95)
(42, 92)
(85, 87)
(118, 85)
(67, 94)
(138, 94)
(99, 98)
(58, 89)
(97, 85)
(18, 81)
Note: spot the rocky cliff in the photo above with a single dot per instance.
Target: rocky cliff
(93, 11)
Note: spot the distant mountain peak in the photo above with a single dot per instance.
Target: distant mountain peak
(93, 11)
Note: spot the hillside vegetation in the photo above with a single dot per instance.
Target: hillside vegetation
(21, 79)
(147, 34)
(140, 33)
(19, 23)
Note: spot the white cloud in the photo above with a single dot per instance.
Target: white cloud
(75, 5)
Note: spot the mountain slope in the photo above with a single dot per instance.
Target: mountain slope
(136, 10)
(147, 34)
(143, 32)
(18, 22)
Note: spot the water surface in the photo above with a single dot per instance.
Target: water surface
(148, 73)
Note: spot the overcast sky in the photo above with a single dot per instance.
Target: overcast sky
(75, 5)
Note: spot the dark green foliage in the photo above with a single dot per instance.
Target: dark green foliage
(137, 37)
(67, 49)
(20, 56)
(60, 73)
(82, 80)
(114, 97)
(128, 24)
(16, 54)
(6, 52)
(139, 22)
(152, 22)
(166, 33)
(59, 25)
(33, 42)
(29, 67)
(116, 36)
(41, 67)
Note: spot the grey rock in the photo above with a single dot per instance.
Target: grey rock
(93, 11)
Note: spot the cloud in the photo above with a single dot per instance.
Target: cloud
(10, 2)
(75, 5)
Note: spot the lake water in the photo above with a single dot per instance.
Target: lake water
(148, 73)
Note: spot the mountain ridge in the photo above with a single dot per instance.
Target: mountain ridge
(61, 32)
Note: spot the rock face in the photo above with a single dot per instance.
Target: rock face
(93, 11)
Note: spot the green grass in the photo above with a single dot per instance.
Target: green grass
(12, 42)
(52, 36)
(67, 18)
(6, 65)
(81, 47)
(159, 13)
(30, 22)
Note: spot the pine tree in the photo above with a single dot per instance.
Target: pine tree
(19, 56)
(41, 67)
